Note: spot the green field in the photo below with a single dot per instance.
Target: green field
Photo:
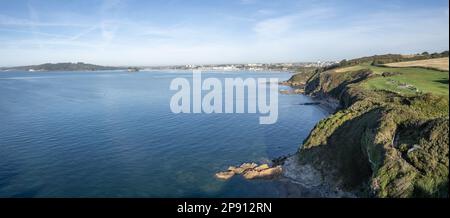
(409, 81)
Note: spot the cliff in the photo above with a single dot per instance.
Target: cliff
(380, 143)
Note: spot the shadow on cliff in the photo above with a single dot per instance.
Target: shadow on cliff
(344, 156)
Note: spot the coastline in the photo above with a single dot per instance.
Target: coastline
(302, 179)
(353, 148)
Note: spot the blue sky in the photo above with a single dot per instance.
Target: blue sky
(157, 32)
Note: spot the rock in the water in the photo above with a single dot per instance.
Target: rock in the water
(241, 169)
(265, 173)
(232, 168)
(251, 171)
(251, 174)
(262, 167)
(247, 166)
(225, 175)
(270, 172)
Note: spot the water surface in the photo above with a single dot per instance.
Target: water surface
(112, 134)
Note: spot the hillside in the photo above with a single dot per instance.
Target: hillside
(63, 67)
(390, 138)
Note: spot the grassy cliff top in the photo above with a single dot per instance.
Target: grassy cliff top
(404, 80)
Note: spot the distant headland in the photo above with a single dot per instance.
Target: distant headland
(79, 66)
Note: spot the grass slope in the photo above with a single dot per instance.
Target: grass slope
(405, 81)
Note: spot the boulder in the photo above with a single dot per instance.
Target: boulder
(241, 169)
(250, 171)
(261, 167)
(247, 166)
(225, 175)
(232, 168)
(251, 174)
(263, 173)
(271, 172)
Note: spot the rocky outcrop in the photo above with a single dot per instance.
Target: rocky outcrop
(251, 171)
(241, 169)
(263, 173)
(225, 175)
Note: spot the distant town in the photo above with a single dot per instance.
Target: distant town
(248, 67)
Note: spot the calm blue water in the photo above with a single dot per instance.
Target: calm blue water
(112, 134)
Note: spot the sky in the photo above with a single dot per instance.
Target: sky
(169, 32)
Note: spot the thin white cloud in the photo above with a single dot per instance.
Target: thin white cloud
(274, 27)
(83, 33)
(19, 22)
(28, 32)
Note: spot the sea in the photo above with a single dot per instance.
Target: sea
(113, 134)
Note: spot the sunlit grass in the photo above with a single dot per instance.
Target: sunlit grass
(408, 81)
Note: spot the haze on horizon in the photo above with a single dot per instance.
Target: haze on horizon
(134, 32)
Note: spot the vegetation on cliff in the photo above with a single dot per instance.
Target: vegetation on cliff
(390, 139)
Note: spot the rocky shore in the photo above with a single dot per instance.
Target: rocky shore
(295, 179)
